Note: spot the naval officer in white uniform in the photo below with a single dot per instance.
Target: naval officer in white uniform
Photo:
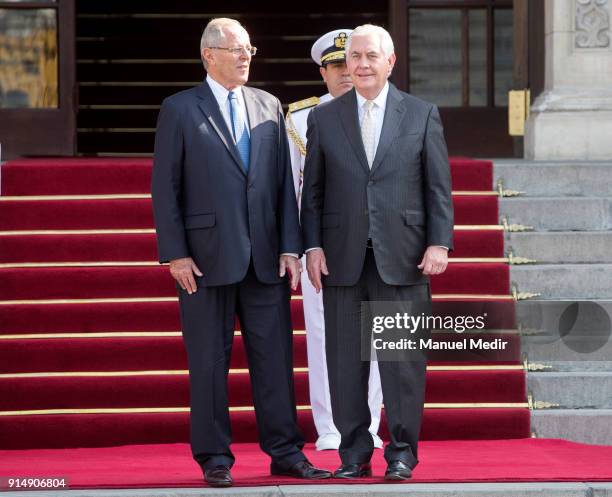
(328, 52)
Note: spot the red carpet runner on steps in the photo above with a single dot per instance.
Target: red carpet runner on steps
(91, 354)
(149, 466)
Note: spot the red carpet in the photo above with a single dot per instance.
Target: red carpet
(137, 316)
(139, 466)
(75, 392)
(138, 213)
(103, 429)
(110, 411)
(101, 317)
(48, 401)
(155, 281)
(132, 353)
(85, 176)
(120, 247)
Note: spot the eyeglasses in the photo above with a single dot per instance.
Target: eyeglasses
(237, 51)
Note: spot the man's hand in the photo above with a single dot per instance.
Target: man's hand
(182, 271)
(316, 264)
(293, 265)
(434, 261)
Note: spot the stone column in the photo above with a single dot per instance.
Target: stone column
(572, 118)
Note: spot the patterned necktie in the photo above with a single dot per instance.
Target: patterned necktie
(241, 137)
(367, 131)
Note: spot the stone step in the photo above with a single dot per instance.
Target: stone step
(572, 390)
(561, 246)
(535, 489)
(544, 489)
(561, 357)
(572, 355)
(564, 281)
(549, 347)
(549, 179)
(579, 425)
(574, 366)
(558, 213)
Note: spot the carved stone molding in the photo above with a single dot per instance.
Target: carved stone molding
(592, 24)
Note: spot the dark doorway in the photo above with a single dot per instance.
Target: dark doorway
(460, 54)
(131, 55)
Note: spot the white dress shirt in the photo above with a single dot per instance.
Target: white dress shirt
(221, 93)
(378, 112)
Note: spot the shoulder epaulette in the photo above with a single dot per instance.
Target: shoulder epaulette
(304, 104)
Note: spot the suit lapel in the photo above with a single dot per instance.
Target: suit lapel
(394, 113)
(350, 124)
(209, 106)
(255, 119)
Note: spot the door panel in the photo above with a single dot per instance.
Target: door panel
(37, 109)
(459, 55)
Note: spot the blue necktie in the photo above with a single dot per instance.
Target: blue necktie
(241, 137)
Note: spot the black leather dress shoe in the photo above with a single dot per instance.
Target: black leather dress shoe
(303, 469)
(353, 471)
(219, 476)
(398, 470)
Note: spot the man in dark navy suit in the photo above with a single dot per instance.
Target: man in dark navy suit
(227, 222)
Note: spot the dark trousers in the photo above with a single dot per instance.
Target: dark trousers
(403, 382)
(208, 318)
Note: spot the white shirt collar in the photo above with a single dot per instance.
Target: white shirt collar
(380, 100)
(325, 98)
(221, 93)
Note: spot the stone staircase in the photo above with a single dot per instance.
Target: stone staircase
(569, 207)
(537, 489)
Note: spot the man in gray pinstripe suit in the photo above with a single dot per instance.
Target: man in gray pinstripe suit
(377, 220)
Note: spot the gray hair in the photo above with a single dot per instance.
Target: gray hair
(213, 32)
(386, 43)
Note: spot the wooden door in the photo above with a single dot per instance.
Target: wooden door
(37, 78)
(460, 55)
